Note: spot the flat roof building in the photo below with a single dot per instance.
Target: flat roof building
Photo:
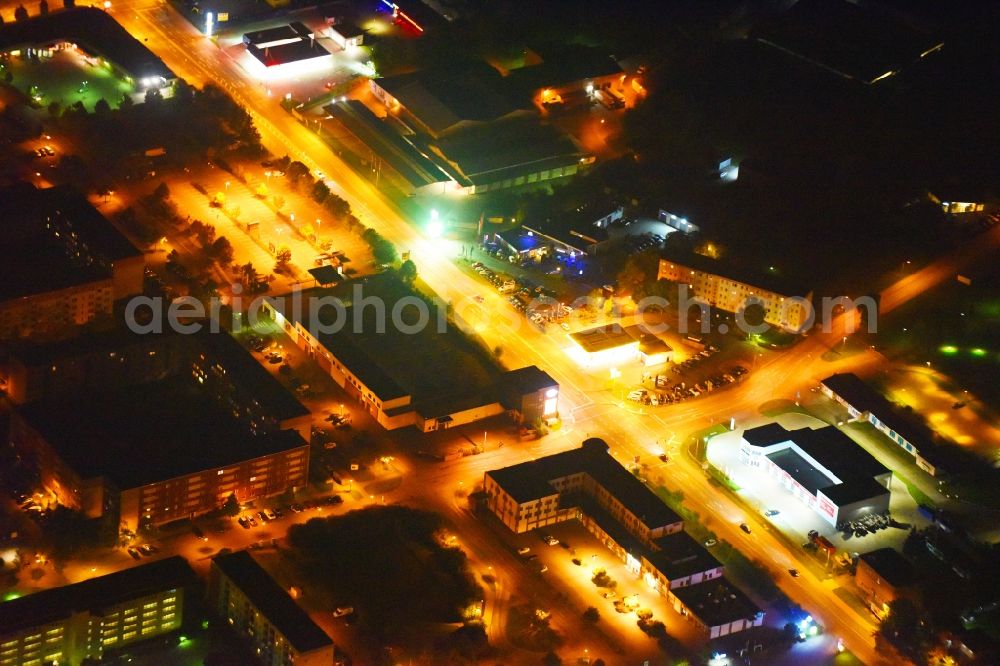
(371, 357)
(588, 484)
(62, 264)
(118, 422)
(823, 468)
(79, 622)
(95, 31)
(866, 404)
(717, 607)
(264, 615)
(883, 575)
(785, 303)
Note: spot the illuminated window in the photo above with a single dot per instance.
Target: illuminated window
(110, 640)
(128, 635)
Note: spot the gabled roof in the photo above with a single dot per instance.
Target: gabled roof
(778, 284)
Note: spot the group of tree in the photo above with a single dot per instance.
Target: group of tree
(383, 251)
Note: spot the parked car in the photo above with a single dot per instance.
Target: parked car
(134, 553)
(549, 539)
(771, 512)
(341, 611)
(524, 550)
(244, 522)
(745, 528)
(710, 542)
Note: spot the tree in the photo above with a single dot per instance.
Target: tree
(162, 191)
(55, 108)
(551, 659)
(43, 7)
(222, 250)
(101, 107)
(408, 271)
(249, 274)
(320, 192)
(338, 207)
(282, 258)
(20, 14)
(232, 506)
(68, 4)
(592, 615)
(126, 102)
(153, 96)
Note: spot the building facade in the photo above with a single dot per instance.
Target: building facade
(783, 308)
(263, 615)
(67, 625)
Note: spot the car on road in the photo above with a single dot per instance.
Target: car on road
(333, 499)
(710, 542)
(134, 553)
(664, 457)
(771, 512)
(794, 573)
(745, 528)
(543, 569)
(524, 550)
(341, 611)
(147, 549)
(297, 508)
(549, 539)
(610, 594)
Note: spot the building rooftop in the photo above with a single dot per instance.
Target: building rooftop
(95, 594)
(531, 480)
(347, 30)
(864, 398)
(529, 379)
(281, 54)
(281, 33)
(773, 282)
(33, 259)
(442, 99)
(149, 432)
(381, 353)
(890, 565)
(250, 375)
(562, 65)
(91, 28)
(801, 470)
(601, 338)
(829, 447)
(576, 228)
(848, 39)
(679, 555)
(513, 147)
(402, 156)
(854, 490)
(271, 600)
(717, 602)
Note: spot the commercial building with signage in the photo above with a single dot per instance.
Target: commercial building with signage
(823, 468)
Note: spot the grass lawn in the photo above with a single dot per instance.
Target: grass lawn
(68, 78)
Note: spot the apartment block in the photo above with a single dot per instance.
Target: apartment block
(70, 624)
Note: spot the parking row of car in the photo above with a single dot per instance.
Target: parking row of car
(249, 520)
(695, 360)
(137, 552)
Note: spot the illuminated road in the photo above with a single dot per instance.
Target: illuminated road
(586, 404)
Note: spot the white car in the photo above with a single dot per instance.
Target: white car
(551, 540)
(343, 610)
(523, 550)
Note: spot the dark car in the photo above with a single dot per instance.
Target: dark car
(745, 528)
